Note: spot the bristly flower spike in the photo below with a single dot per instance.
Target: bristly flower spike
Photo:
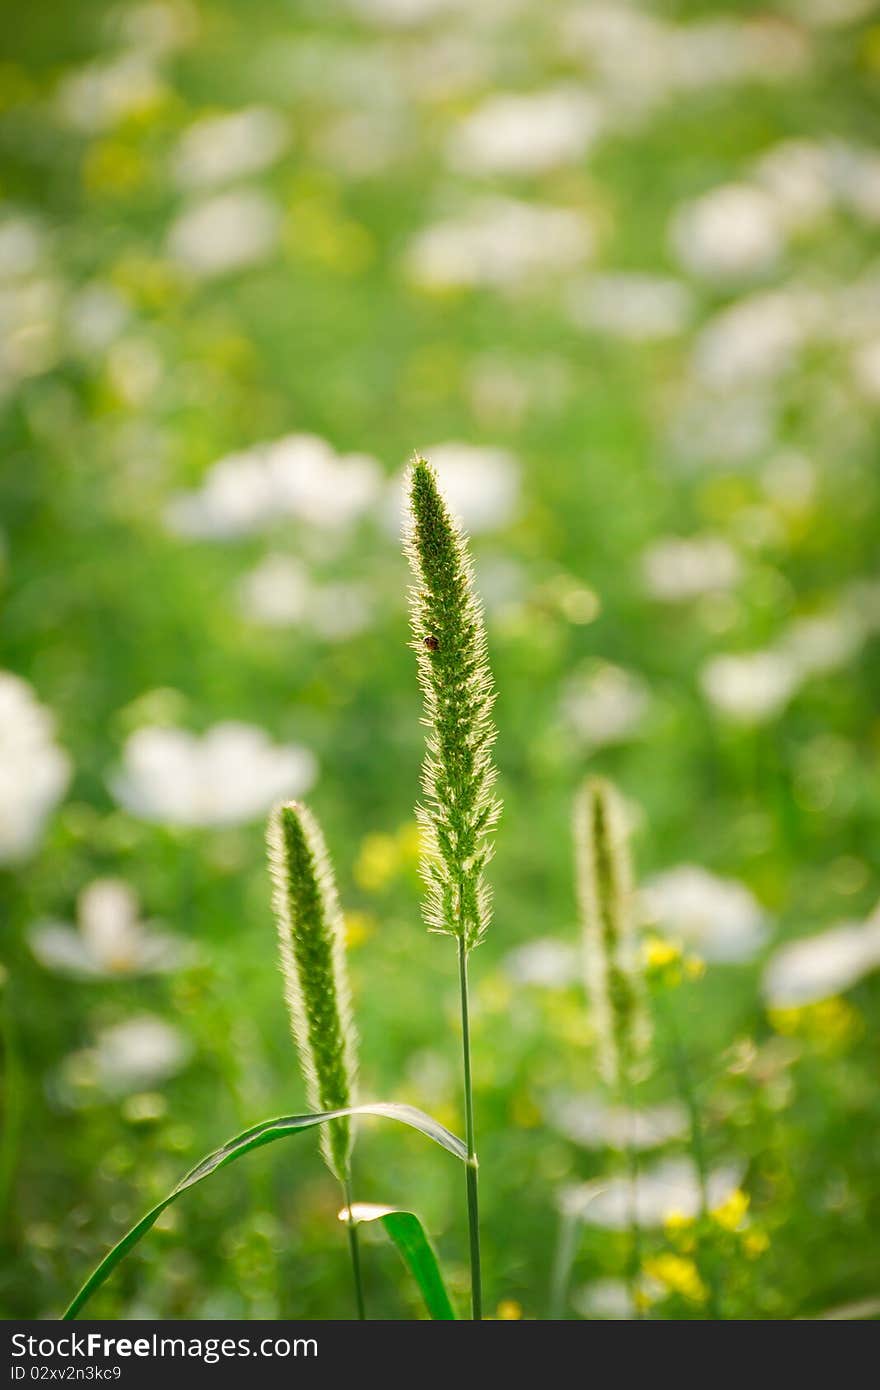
(459, 810)
(605, 898)
(312, 949)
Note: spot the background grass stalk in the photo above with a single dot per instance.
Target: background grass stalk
(605, 896)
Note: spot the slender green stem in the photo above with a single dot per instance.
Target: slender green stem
(13, 1104)
(354, 1247)
(566, 1249)
(632, 1164)
(687, 1092)
(473, 1209)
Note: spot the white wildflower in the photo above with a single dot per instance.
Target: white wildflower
(299, 476)
(594, 1124)
(633, 306)
(732, 233)
(718, 917)
(100, 95)
(109, 940)
(526, 133)
(605, 705)
(22, 245)
(34, 771)
(225, 233)
(679, 568)
(797, 175)
(128, 1057)
(547, 963)
(216, 149)
(281, 593)
(756, 338)
(500, 242)
(669, 1188)
(750, 687)
(231, 774)
(820, 966)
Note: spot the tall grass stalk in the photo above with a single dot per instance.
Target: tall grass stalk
(603, 868)
(459, 810)
(312, 951)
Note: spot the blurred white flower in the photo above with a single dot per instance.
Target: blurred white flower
(102, 94)
(729, 234)
(640, 60)
(756, 338)
(216, 149)
(605, 1300)
(817, 967)
(225, 233)
(34, 771)
(594, 1124)
(109, 939)
(404, 13)
(797, 174)
(29, 313)
(629, 305)
(155, 26)
(866, 370)
(605, 706)
(750, 687)
(526, 133)
(130, 1056)
(857, 179)
(298, 476)
(281, 593)
(823, 642)
(22, 244)
(546, 962)
(730, 427)
(480, 483)
(135, 367)
(500, 242)
(96, 316)
(719, 917)
(828, 14)
(231, 774)
(669, 1188)
(361, 144)
(678, 568)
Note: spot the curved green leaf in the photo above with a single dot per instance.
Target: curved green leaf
(255, 1138)
(405, 1230)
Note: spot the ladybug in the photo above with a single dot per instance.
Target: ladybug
(432, 643)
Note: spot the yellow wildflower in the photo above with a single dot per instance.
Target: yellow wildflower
(679, 1275)
(660, 953)
(359, 927)
(755, 1243)
(731, 1213)
(377, 862)
(508, 1310)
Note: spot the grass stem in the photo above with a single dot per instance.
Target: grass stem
(354, 1248)
(472, 1196)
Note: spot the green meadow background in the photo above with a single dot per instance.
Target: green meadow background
(618, 413)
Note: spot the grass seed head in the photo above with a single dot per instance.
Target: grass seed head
(459, 810)
(312, 949)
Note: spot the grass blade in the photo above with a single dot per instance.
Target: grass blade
(406, 1232)
(266, 1133)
